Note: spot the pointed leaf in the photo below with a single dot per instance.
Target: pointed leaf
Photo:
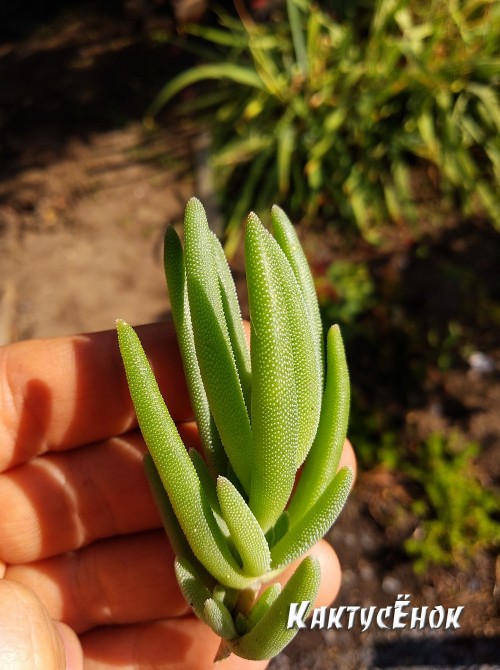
(245, 531)
(270, 634)
(213, 345)
(174, 466)
(234, 322)
(324, 457)
(219, 619)
(306, 366)
(285, 235)
(274, 396)
(315, 523)
(179, 303)
(230, 71)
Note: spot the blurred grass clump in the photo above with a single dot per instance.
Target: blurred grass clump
(331, 110)
(458, 515)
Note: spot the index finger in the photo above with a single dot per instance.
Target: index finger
(64, 392)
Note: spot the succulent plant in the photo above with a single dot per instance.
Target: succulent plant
(237, 514)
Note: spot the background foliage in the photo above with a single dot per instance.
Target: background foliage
(333, 109)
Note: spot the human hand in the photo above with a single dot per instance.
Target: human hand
(87, 571)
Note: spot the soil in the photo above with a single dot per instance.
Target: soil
(85, 194)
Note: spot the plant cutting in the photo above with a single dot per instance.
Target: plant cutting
(239, 512)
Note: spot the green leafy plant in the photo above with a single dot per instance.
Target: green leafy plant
(346, 290)
(237, 516)
(333, 117)
(457, 512)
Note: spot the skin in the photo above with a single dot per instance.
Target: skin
(86, 573)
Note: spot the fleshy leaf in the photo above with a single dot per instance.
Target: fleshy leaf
(241, 623)
(274, 396)
(285, 235)
(208, 485)
(193, 589)
(234, 322)
(264, 602)
(270, 634)
(279, 529)
(225, 595)
(175, 534)
(311, 527)
(174, 466)
(323, 460)
(213, 345)
(245, 531)
(219, 619)
(307, 370)
(176, 281)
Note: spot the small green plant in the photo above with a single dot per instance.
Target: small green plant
(236, 517)
(346, 291)
(333, 116)
(457, 513)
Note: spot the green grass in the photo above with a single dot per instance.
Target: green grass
(333, 118)
(458, 516)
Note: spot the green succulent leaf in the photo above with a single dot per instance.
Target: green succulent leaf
(245, 531)
(262, 604)
(177, 473)
(270, 635)
(241, 623)
(219, 618)
(279, 529)
(213, 345)
(307, 368)
(324, 456)
(176, 281)
(192, 586)
(311, 527)
(285, 235)
(208, 485)
(225, 595)
(175, 534)
(275, 418)
(234, 322)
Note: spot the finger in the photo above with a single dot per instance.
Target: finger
(60, 502)
(117, 581)
(68, 391)
(348, 458)
(185, 643)
(72, 646)
(29, 639)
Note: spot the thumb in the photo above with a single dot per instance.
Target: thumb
(29, 638)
